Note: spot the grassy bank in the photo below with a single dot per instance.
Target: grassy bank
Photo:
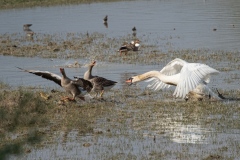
(34, 3)
(27, 120)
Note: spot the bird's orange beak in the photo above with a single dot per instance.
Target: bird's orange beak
(129, 81)
(93, 63)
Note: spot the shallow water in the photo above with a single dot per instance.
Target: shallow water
(180, 24)
(117, 72)
(15, 77)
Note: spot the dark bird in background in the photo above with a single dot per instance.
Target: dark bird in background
(105, 19)
(27, 30)
(133, 46)
(26, 27)
(134, 29)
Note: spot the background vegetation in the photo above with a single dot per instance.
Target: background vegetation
(6, 4)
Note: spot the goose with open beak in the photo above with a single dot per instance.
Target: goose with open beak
(100, 84)
(78, 87)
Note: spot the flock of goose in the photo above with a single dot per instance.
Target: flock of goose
(190, 79)
(78, 87)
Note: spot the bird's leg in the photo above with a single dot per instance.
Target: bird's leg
(82, 98)
(101, 94)
(96, 95)
(64, 98)
(68, 98)
(71, 99)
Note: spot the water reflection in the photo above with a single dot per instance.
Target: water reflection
(105, 24)
(176, 128)
(189, 134)
(112, 138)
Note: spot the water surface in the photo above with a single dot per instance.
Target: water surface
(180, 24)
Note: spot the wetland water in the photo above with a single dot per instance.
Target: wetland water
(180, 24)
(194, 132)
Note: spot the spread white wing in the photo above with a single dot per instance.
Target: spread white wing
(191, 75)
(173, 67)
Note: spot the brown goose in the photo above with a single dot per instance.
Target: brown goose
(100, 84)
(133, 46)
(77, 87)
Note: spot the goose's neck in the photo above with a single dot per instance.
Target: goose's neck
(64, 74)
(171, 80)
(88, 73)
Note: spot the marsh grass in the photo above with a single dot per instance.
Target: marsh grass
(123, 116)
(26, 117)
(34, 3)
(99, 46)
(21, 114)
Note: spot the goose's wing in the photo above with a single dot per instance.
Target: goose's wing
(85, 84)
(173, 67)
(103, 81)
(45, 74)
(191, 75)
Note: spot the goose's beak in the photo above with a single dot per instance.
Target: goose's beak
(129, 81)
